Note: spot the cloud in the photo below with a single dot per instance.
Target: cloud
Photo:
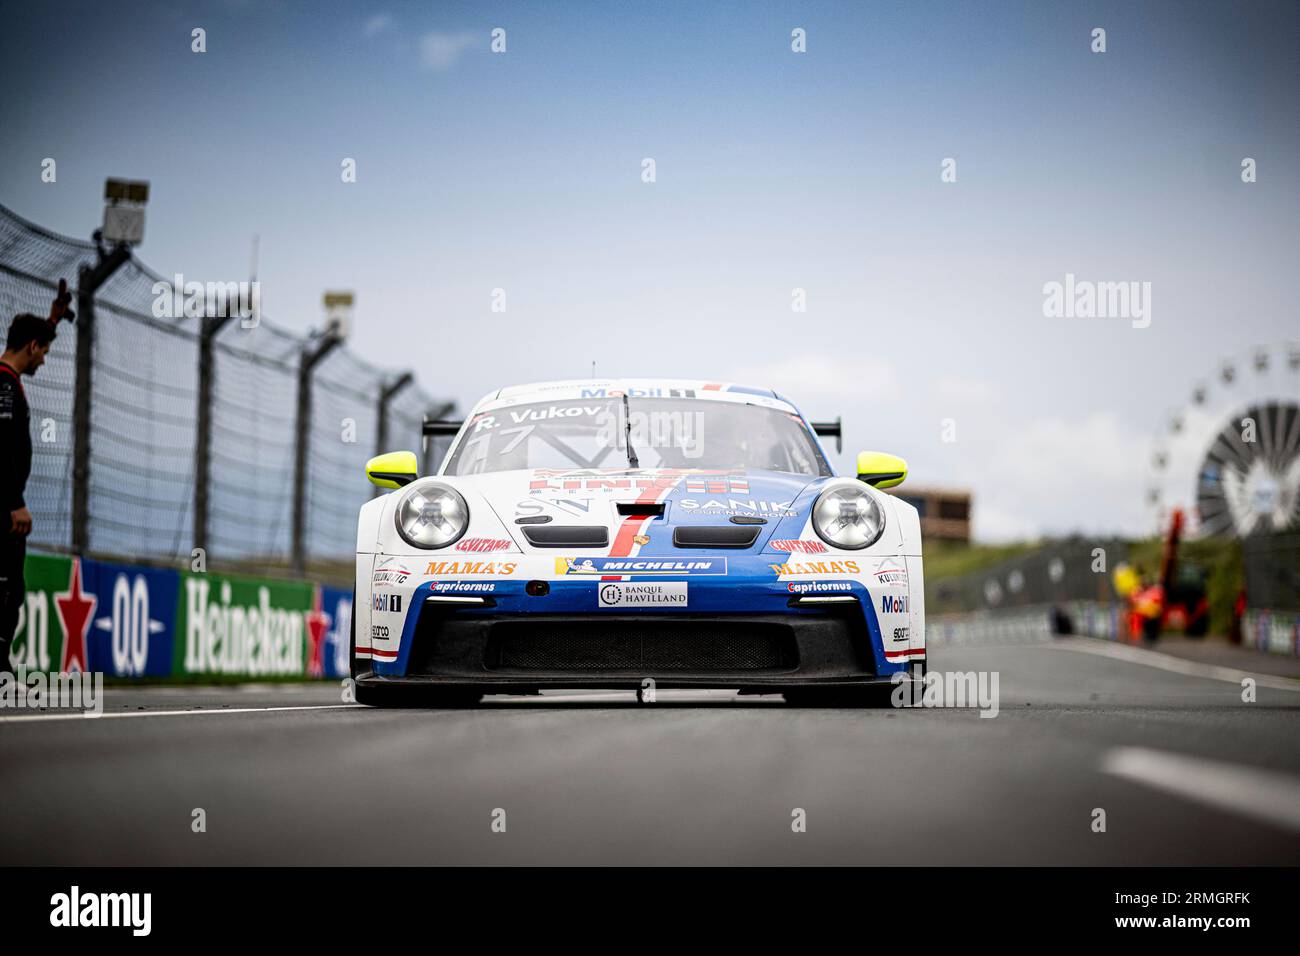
(440, 51)
(1057, 475)
(964, 391)
(377, 24)
(811, 377)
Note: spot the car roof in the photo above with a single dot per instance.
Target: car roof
(634, 388)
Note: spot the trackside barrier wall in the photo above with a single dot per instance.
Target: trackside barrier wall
(1276, 632)
(130, 621)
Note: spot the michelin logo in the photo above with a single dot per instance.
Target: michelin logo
(639, 566)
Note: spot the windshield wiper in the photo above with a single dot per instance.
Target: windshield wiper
(632, 461)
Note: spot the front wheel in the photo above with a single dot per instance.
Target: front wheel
(373, 694)
(405, 696)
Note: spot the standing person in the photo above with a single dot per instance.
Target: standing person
(26, 346)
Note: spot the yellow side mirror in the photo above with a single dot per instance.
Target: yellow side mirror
(880, 470)
(393, 470)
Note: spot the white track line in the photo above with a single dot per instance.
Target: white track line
(171, 713)
(200, 712)
(1167, 662)
(1262, 794)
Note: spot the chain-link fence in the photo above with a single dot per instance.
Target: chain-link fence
(1273, 571)
(141, 469)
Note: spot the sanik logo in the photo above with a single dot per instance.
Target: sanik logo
(738, 506)
(134, 910)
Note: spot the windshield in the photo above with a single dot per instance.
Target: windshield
(665, 433)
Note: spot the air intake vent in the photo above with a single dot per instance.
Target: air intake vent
(653, 508)
(567, 536)
(710, 536)
(638, 645)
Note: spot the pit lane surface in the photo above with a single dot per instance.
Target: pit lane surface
(1185, 771)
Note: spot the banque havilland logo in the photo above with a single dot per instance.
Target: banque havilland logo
(37, 690)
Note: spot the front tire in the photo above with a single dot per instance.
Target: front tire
(377, 694)
(871, 697)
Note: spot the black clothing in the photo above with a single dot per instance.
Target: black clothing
(13, 591)
(15, 467)
(15, 443)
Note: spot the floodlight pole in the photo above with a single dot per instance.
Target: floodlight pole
(386, 393)
(208, 330)
(89, 280)
(436, 413)
(309, 359)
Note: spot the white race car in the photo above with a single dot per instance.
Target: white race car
(635, 534)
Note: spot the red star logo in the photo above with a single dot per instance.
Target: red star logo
(317, 623)
(75, 612)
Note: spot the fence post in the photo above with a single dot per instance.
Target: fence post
(437, 413)
(211, 325)
(307, 362)
(89, 280)
(386, 393)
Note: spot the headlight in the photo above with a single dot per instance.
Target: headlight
(848, 517)
(431, 515)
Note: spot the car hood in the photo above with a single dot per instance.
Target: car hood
(643, 509)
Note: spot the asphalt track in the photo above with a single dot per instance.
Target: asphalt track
(1185, 771)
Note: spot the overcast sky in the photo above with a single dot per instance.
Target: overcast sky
(775, 170)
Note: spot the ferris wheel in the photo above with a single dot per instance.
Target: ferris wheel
(1230, 458)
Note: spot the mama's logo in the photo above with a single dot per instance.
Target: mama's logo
(816, 567)
(443, 568)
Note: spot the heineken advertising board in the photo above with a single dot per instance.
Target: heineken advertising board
(131, 621)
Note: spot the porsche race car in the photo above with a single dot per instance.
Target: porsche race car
(635, 534)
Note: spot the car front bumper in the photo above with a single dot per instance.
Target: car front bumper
(758, 635)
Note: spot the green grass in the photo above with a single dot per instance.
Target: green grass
(953, 559)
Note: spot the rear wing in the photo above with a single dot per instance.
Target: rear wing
(833, 429)
(441, 427)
